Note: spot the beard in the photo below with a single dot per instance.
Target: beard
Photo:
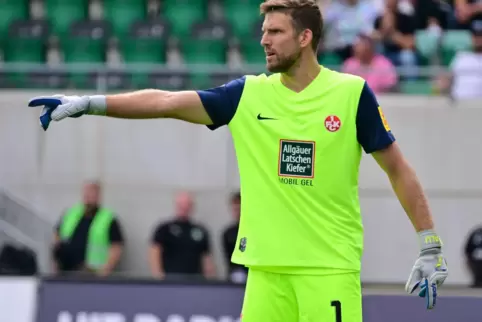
(283, 63)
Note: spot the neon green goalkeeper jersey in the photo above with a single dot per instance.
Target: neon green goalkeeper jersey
(298, 158)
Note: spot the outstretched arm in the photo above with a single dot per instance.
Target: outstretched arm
(153, 103)
(213, 107)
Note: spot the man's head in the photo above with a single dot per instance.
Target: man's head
(184, 204)
(291, 29)
(363, 48)
(391, 5)
(236, 205)
(91, 194)
(476, 30)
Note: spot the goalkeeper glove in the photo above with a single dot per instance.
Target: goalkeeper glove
(58, 107)
(430, 269)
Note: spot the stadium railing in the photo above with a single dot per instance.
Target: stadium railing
(21, 225)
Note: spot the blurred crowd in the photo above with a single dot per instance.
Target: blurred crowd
(386, 41)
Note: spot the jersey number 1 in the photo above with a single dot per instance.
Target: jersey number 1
(337, 306)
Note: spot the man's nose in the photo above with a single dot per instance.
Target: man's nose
(264, 40)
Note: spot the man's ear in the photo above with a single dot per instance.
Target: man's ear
(306, 37)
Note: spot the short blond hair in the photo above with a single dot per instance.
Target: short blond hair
(305, 14)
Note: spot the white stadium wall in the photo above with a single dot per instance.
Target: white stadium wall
(142, 163)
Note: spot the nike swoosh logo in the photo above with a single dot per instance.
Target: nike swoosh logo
(262, 118)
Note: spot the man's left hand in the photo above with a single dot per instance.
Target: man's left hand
(430, 269)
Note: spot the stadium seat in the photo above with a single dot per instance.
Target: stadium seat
(252, 52)
(329, 59)
(86, 44)
(146, 43)
(123, 13)
(9, 12)
(427, 44)
(453, 41)
(416, 87)
(182, 14)
(243, 16)
(27, 44)
(62, 14)
(207, 44)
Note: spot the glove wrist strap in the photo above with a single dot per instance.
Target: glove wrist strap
(428, 240)
(97, 105)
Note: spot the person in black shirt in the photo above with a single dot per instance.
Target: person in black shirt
(431, 13)
(180, 247)
(236, 273)
(473, 255)
(396, 32)
(70, 255)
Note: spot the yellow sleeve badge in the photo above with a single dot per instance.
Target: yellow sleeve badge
(384, 120)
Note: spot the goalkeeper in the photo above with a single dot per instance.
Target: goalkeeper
(299, 135)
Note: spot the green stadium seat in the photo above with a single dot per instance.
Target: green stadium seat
(62, 14)
(329, 59)
(145, 44)
(207, 45)
(183, 15)
(243, 16)
(253, 52)
(27, 44)
(454, 41)
(9, 12)
(416, 87)
(123, 13)
(427, 44)
(85, 45)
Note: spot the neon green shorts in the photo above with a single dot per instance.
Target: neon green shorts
(275, 297)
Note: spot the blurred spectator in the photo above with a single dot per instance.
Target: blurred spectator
(376, 69)
(465, 78)
(236, 273)
(473, 255)
(345, 20)
(180, 246)
(468, 12)
(396, 32)
(432, 14)
(18, 260)
(88, 237)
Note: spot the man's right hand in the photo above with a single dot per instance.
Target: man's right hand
(58, 107)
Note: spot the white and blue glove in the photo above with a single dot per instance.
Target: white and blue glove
(430, 269)
(58, 107)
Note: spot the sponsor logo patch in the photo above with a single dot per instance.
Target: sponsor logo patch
(296, 159)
